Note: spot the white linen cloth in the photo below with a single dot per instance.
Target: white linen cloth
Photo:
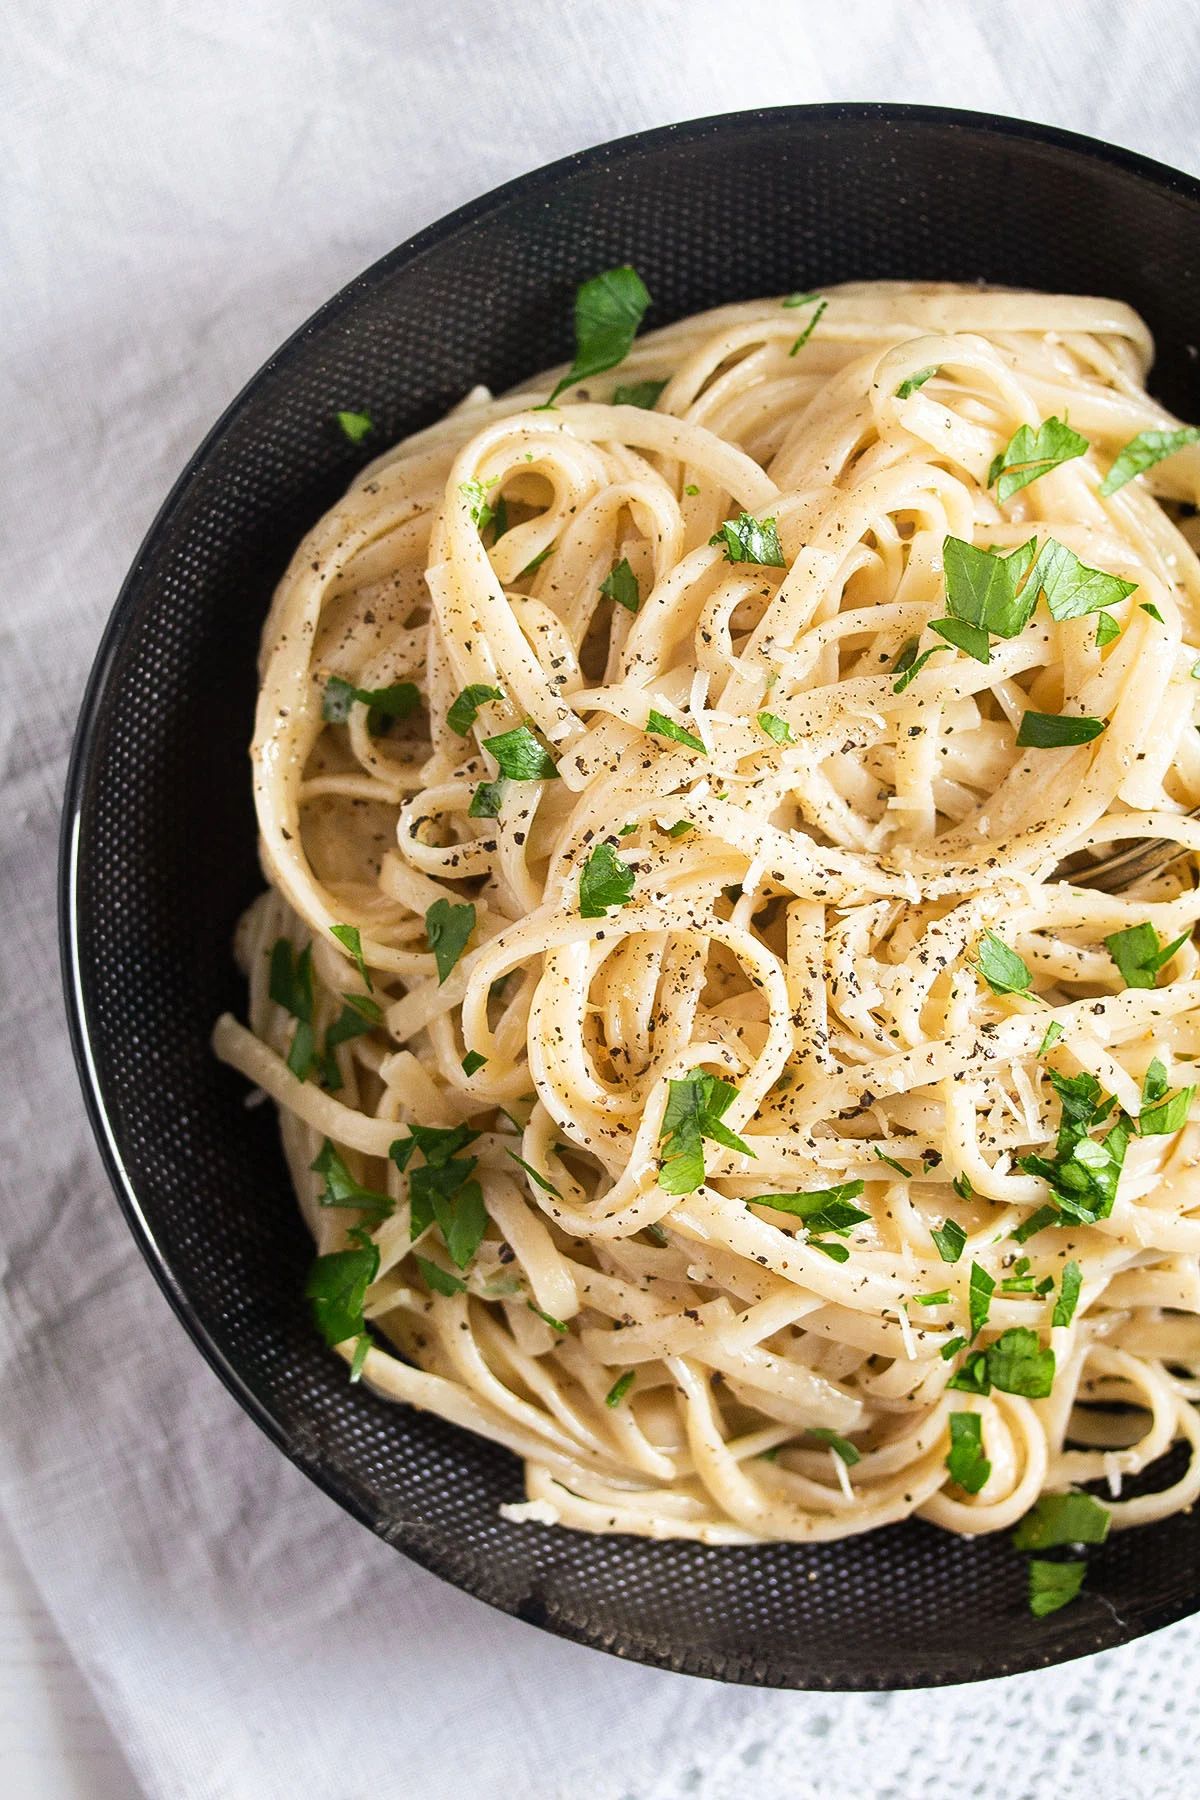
(184, 184)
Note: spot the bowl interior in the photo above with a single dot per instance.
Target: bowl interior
(160, 844)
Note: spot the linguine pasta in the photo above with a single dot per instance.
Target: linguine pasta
(680, 879)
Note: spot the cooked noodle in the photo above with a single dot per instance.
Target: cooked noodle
(814, 937)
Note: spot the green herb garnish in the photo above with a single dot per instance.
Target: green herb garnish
(535, 1175)
(979, 1298)
(1053, 1585)
(911, 383)
(658, 725)
(337, 1287)
(840, 1446)
(604, 881)
(1002, 968)
(521, 757)
(638, 393)
(439, 1279)
(1138, 955)
(465, 710)
(350, 939)
(694, 1110)
(1143, 451)
(620, 1388)
(1057, 731)
(487, 800)
(341, 1188)
(950, 1240)
(608, 311)
(290, 986)
(750, 540)
(1031, 453)
(548, 1319)
(447, 927)
(1058, 1519)
(812, 321)
(775, 727)
(356, 425)
(472, 1062)
(620, 584)
(383, 704)
(966, 1463)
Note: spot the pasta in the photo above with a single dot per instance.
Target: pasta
(695, 1072)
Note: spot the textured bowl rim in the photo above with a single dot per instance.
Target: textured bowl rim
(77, 796)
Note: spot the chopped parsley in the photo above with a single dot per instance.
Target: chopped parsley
(548, 1319)
(840, 1446)
(475, 493)
(1138, 955)
(608, 311)
(658, 725)
(813, 317)
(1143, 451)
(1037, 1221)
(638, 393)
(447, 927)
(908, 664)
(383, 704)
(620, 584)
(465, 710)
(694, 1110)
(966, 1463)
(1058, 1519)
(358, 1016)
(362, 1344)
(1072, 589)
(1068, 1295)
(439, 1279)
(1031, 453)
(911, 383)
(892, 1163)
(750, 540)
(1164, 1116)
(350, 939)
(356, 425)
(535, 1175)
(620, 1388)
(472, 1062)
(1056, 731)
(341, 1188)
(1106, 629)
(979, 1298)
(950, 1240)
(824, 1209)
(1053, 1032)
(487, 800)
(604, 881)
(521, 757)
(775, 727)
(1053, 1585)
(940, 1298)
(290, 986)
(337, 1287)
(1016, 1363)
(1002, 968)
(1084, 1171)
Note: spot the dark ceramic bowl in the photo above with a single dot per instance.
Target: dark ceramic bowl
(159, 840)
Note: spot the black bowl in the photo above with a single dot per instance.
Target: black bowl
(159, 841)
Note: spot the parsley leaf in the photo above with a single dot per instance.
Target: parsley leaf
(395, 702)
(966, 1463)
(356, 425)
(824, 1209)
(1002, 969)
(979, 1298)
(604, 881)
(981, 588)
(1068, 1296)
(1106, 629)
(1166, 1116)
(911, 383)
(475, 493)
(439, 1279)
(521, 757)
(1085, 1171)
(1138, 956)
(940, 1298)
(337, 1287)
(548, 1319)
(620, 584)
(775, 727)
(1143, 451)
(908, 664)
(1031, 453)
(694, 1109)
(341, 1188)
(1053, 1585)
(804, 300)
(350, 938)
(973, 639)
(608, 311)
(892, 1163)
(1055, 731)
(840, 1446)
(1070, 586)
(973, 1377)
(638, 393)
(1053, 1032)
(1058, 1519)
(465, 710)
(362, 1344)
(750, 540)
(487, 800)
(950, 1239)
(473, 1061)
(290, 986)
(353, 1021)
(535, 1175)
(620, 1388)
(658, 725)
(1017, 1364)
(447, 928)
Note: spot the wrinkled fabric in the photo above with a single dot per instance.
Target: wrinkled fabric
(183, 185)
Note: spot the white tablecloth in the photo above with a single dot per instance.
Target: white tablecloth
(183, 184)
